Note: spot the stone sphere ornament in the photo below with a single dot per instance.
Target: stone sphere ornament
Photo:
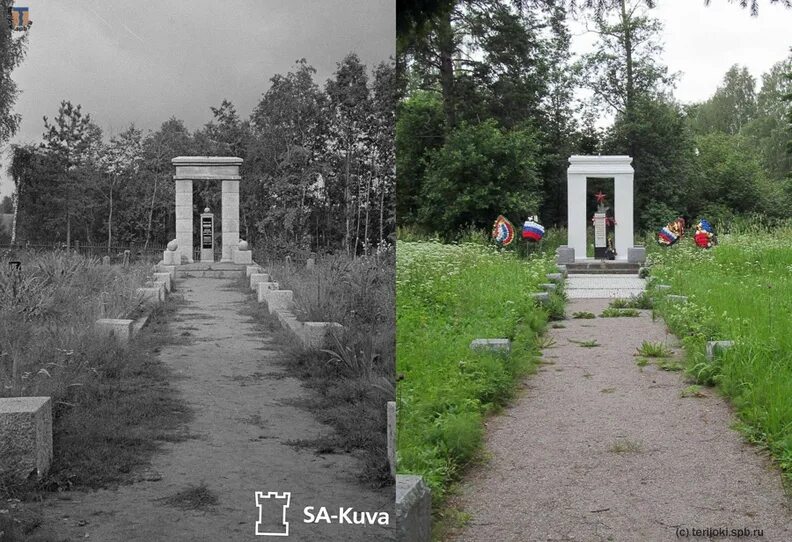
(173, 245)
(206, 210)
(243, 245)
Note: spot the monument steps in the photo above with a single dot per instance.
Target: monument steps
(602, 267)
(215, 270)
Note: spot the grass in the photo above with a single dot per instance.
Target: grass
(113, 407)
(590, 343)
(651, 349)
(640, 301)
(353, 375)
(741, 290)
(626, 446)
(611, 312)
(694, 390)
(448, 295)
(584, 315)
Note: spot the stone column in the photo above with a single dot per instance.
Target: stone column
(576, 218)
(623, 213)
(184, 217)
(230, 219)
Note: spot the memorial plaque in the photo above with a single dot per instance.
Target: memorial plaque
(207, 236)
(600, 235)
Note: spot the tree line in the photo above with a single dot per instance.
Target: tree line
(490, 111)
(318, 171)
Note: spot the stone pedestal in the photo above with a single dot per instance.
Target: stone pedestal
(171, 257)
(243, 257)
(565, 255)
(120, 329)
(636, 255)
(207, 236)
(25, 436)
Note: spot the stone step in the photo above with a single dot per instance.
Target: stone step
(210, 274)
(602, 267)
(603, 286)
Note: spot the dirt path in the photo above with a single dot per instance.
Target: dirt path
(596, 449)
(244, 418)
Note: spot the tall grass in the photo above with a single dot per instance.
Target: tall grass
(111, 403)
(448, 295)
(47, 312)
(354, 374)
(741, 290)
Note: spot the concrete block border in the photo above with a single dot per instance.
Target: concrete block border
(26, 435)
(714, 346)
(413, 509)
(492, 345)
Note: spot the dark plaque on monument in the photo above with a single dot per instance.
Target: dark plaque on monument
(207, 236)
(600, 227)
(206, 232)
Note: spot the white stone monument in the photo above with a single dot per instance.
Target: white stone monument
(211, 168)
(617, 168)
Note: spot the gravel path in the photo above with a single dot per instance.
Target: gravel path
(244, 417)
(597, 449)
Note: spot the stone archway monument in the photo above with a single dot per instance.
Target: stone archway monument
(207, 168)
(617, 168)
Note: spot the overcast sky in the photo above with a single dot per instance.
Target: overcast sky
(144, 61)
(702, 42)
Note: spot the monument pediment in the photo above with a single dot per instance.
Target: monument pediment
(210, 168)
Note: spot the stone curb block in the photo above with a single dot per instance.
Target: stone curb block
(541, 297)
(314, 334)
(263, 288)
(255, 278)
(554, 277)
(250, 269)
(119, 328)
(279, 299)
(413, 509)
(150, 295)
(714, 346)
(166, 278)
(549, 287)
(26, 435)
(492, 345)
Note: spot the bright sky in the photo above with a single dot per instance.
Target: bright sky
(143, 61)
(702, 42)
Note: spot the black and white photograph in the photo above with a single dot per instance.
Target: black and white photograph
(197, 270)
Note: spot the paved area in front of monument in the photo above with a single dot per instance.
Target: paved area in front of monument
(245, 417)
(605, 286)
(597, 448)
